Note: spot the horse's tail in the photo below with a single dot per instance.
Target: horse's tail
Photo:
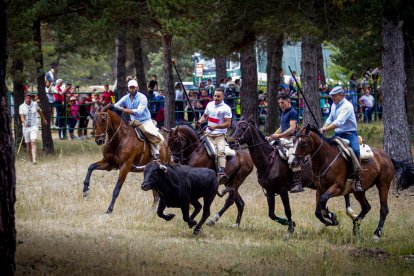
(404, 173)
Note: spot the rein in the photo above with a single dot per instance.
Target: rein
(106, 128)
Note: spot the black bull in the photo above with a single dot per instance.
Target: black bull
(179, 186)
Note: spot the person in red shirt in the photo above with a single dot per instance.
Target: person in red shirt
(106, 96)
(59, 99)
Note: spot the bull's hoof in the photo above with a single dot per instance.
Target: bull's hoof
(196, 231)
(86, 193)
(169, 217)
(110, 210)
(291, 229)
(192, 223)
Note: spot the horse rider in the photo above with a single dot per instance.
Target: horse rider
(286, 133)
(136, 105)
(342, 119)
(218, 114)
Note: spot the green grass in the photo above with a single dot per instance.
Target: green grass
(60, 232)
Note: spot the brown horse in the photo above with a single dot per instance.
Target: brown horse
(186, 148)
(331, 171)
(123, 150)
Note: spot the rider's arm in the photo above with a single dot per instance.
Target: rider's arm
(224, 125)
(121, 103)
(203, 118)
(143, 103)
(288, 132)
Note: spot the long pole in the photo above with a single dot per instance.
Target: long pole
(185, 92)
(303, 95)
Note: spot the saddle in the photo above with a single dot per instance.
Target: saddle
(211, 149)
(347, 152)
(282, 146)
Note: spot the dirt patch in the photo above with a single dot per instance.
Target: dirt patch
(375, 253)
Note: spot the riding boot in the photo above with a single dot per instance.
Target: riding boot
(222, 177)
(297, 183)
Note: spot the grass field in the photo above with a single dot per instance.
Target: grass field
(60, 232)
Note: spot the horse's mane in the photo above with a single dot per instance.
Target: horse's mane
(190, 128)
(119, 113)
(323, 137)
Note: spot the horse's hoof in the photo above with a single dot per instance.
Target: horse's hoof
(196, 231)
(109, 211)
(192, 223)
(235, 225)
(211, 223)
(85, 194)
(376, 238)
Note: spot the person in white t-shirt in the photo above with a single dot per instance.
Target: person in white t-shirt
(367, 102)
(218, 114)
(28, 115)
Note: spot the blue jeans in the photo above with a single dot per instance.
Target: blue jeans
(368, 114)
(352, 136)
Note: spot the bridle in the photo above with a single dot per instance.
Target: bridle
(105, 116)
(241, 137)
(180, 154)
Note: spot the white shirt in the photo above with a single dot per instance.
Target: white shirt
(216, 115)
(368, 100)
(30, 113)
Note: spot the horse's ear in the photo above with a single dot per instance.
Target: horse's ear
(307, 129)
(172, 130)
(176, 129)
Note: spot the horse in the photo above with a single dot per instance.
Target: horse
(273, 173)
(331, 171)
(123, 150)
(187, 149)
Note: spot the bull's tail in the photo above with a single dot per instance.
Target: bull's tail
(404, 174)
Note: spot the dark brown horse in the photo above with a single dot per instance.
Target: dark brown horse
(331, 171)
(123, 150)
(273, 173)
(186, 148)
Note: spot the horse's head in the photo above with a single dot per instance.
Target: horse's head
(100, 126)
(177, 143)
(303, 145)
(241, 134)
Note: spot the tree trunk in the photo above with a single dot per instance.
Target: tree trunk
(248, 91)
(121, 85)
(320, 64)
(139, 65)
(409, 71)
(273, 70)
(221, 72)
(309, 79)
(47, 140)
(169, 102)
(7, 159)
(396, 134)
(18, 96)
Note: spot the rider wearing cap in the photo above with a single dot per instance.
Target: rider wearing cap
(342, 119)
(136, 105)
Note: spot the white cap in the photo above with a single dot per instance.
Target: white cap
(132, 83)
(336, 90)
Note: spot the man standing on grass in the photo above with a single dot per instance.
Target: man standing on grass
(28, 115)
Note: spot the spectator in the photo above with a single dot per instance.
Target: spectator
(376, 73)
(49, 76)
(237, 84)
(205, 98)
(367, 103)
(28, 115)
(179, 103)
(230, 95)
(152, 86)
(107, 96)
(196, 105)
(73, 116)
(83, 112)
(210, 87)
(59, 100)
(223, 83)
(367, 76)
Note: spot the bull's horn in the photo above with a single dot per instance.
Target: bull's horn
(138, 167)
(164, 168)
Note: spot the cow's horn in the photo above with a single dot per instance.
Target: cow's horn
(164, 168)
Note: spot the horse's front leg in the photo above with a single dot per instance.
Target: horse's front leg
(100, 165)
(229, 201)
(349, 211)
(286, 205)
(123, 172)
(329, 217)
(271, 209)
